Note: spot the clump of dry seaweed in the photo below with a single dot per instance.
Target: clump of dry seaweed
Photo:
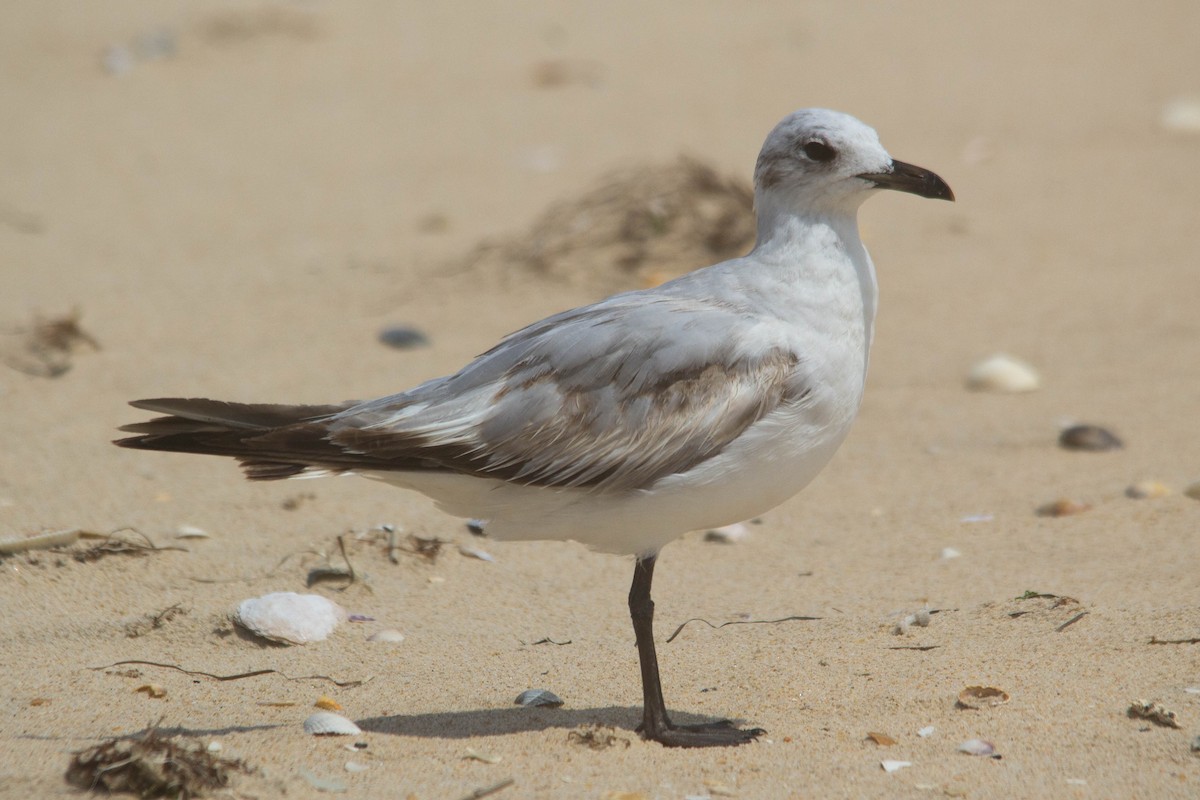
(151, 765)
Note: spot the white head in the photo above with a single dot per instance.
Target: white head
(829, 162)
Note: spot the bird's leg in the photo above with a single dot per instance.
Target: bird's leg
(656, 725)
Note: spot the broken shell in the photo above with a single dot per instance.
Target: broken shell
(190, 532)
(386, 635)
(926, 732)
(289, 617)
(327, 723)
(950, 552)
(881, 739)
(403, 337)
(977, 697)
(326, 703)
(727, 534)
(1062, 507)
(1003, 373)
(1155, 712)
(1091, 438)
(475, 552)
(1147, 490)
(354, 766)
(891, 766)
(538, 697)
(977, 747)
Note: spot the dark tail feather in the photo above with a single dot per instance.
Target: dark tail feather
(270, 441)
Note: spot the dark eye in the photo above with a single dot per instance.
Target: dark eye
(819, 151)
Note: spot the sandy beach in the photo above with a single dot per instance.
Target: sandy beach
(233, 200)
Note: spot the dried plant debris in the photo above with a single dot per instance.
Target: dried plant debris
(678, 630)
(152, 765)
(39, 541)
(596, 737)
(1154, 712)
(114, 545)
(45, 347)
(635, 228)
(1062, 507)
(152, 622)
(429, 549)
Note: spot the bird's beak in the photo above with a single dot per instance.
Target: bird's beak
(908, 178)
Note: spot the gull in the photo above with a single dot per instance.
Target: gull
(624, 424)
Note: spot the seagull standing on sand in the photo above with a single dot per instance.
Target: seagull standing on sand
(626, 423)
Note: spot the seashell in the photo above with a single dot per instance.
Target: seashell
(926, 732)
(354, 766)
(214, 746)
(476, 527)
(890, 765)
(728, 534)
(1147, 490)
(191, 532)
(386, 635)
(1003, 373)
(1091, 438)
(475, 755)
(538, 697)
(977, 697)
(327, 723)
(289, 617)
(1062, 507)
(881, 739)
(950, 552)
(326, 703)
(977, 747)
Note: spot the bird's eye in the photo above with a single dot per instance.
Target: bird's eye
(819, 151)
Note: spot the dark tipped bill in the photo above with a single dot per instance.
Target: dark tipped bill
(912, 179)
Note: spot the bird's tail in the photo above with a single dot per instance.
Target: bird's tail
(270, 441)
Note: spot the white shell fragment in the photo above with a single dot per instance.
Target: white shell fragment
(1003, 373)
(190, 532)
(289, 617)
(890, 765)
(355, 766)
(1181, 115)
(475, 552)
(538, 697)
(327, 723)
(386, 635)
(926, 732)
(728, 534)
(950, 552)
(977, 747)
(921, 619)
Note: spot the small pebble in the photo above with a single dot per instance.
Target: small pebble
(1062, 507)
(950, 552)
(403, 337)
(1003, 373)
(1147, 490)
(1193, 491)
(354, 766)
(475, 526)
(1196, 745)
(215, 747)
(1091, 438)
(538, 697)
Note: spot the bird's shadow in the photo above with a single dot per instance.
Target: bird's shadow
(504, 721)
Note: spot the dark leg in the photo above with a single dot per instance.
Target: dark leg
(655, 723)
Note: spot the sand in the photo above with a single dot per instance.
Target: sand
(240, 217)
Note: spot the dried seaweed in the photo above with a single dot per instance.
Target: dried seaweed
(739, 622)
(237, 676)
(151, 765)
(46, 346)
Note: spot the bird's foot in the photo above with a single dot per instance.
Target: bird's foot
(710, 734)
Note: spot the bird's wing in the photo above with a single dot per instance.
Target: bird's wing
(611, 396)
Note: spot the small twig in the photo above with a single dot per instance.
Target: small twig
(548, 640)
(921, 647)
(737, 622)
(486, 790)
(1156, 640)
(239, 676)
(1071, 621)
